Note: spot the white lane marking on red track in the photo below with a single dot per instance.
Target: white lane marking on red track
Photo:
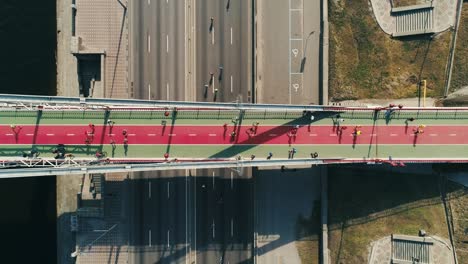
(29, 134)
(212, 135)
(132, 135)
(172, 135)
(373, 135)
(70, 135)
(452, 135)
(9, 134)
(393, 135)
(50, 135)
(433, 135)
(332, 135)
(192, 135)
(313, 135)
(151, 135)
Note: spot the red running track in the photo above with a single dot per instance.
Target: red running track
(72, 134)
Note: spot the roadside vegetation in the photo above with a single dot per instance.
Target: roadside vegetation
(367, 63)
(366, 205)
(460, 64)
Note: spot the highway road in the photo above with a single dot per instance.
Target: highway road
(158, 73)
(160, 232)
(158, 49)
(224, 211)
(225, 43)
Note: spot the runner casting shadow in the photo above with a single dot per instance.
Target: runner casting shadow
(173, 120)
(242, 146)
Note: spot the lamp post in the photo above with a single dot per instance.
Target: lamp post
(303, 61)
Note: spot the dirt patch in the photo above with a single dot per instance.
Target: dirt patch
(365, 205)
(367, 63)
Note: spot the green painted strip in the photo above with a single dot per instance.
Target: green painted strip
(260, 151)
(221, 117)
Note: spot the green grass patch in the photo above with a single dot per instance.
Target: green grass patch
(365, 205)
(367, 63)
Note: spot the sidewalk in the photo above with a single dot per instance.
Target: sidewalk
(444, 15)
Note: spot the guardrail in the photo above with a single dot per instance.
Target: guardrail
(50, 167)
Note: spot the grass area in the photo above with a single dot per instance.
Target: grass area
(308, 234)
(459, 208)
(367, 204)
(308, 251)
(367, 63)
(460, 64)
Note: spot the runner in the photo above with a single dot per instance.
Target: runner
(269, 155)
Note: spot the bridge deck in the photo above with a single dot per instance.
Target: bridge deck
(201, 134)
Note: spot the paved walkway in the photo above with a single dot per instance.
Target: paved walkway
(444, 15)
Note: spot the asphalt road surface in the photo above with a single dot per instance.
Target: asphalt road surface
(158, 49)
(184, 219)
(224, 218)
(159, 224)
(288, 66)
(223, 49)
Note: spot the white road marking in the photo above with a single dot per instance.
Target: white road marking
(167, 43)
(149, 91)
(168, 191)
(168, 238)
(192, 135)
(213, 180)
(172, 135)
(232, 227)
(149, 43)
(232, 180)
(33, 134)
(151, 135)
(313, 135)
(149, 190)
(131, 135)
(9, 134)
(212, 36)
(433, 135)
(452, 135)
(212, 135)
(214, 227)
(393, 135)
(149, 237)
(213, 82)
(373, 135)
(231, 83)
(50, 135)
(149, 2)
(295, 9)
(231, 35)
(332, 135)
(167, 90)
